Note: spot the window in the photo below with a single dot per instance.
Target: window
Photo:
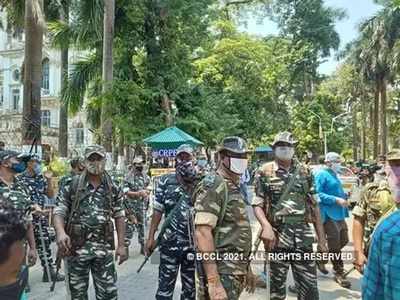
(45, 74)
(79, 136)
(46, 118)
(16, 75)
(15, 98)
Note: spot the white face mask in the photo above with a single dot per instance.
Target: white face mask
(284, 153)
(238, 165)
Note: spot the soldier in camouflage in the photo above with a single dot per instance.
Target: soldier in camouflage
(377, 200)
(89, 201)
(17, 194)
(284, 206)
(136, 198)
(175, 250)
(223, 226)
(40, 188)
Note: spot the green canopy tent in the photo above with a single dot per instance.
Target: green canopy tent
(171, 138)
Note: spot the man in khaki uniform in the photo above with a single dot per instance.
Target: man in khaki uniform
(377, 200)
(223, 226)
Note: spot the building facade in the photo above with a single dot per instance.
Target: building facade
(11, 93)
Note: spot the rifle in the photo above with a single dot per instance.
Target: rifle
(163, 229)
(267, 270)
(46, 259)
(68, 227)
(198, 265)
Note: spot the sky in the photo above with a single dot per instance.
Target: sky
(357, 11)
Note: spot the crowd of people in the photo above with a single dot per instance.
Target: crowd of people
(198, 211)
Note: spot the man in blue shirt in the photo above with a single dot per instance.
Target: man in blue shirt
(381, 277)
(334, 211)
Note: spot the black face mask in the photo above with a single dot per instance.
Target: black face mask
(186, 170)
(139, 169)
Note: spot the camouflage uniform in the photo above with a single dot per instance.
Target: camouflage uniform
(375, 200)
(134, 183)
(18, 197)
(294, 233)
(38, 186)
(175, 249)
(218, 203)
(96, 254)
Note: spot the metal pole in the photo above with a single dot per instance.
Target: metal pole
(325, 144)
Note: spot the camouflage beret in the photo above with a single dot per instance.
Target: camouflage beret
(95, 149)
(393, 154)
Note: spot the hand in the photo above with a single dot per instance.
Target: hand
(32, 257)
(122, 252)
(144, 193)
(36, 210)
(64, 243)
(216, 291)
(250, 281)
(360, 261)
(323, 247)
(342, 202)
(150, 246)
(268, 237)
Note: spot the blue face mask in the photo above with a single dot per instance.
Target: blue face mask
(19, 167)
(37, 169)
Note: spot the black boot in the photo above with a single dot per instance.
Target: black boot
(45, 277)
(342, 281)
(322, 268)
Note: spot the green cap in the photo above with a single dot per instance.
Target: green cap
(393, 154)
(95, 149)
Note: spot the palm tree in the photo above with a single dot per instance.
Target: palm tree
(377, 51)
(34, 26)
(108, 36)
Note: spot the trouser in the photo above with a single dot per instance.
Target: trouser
(338, 237)
(138, 208)
(171, 260)
(100, 263)
(43, 252)
(304, 274)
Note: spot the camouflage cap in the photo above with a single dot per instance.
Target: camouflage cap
(7, 154)
(234, 144)
(284, 137)
(394, 154)
(185, 148)
(92, 149)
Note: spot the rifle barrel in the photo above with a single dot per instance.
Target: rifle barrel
(143, 263)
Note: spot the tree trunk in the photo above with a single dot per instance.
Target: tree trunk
(166, 106)
(364, 124)
(355, 131)
(63, 126)
(376, 120)
(31, 121)
(108, 36)
(383, 114)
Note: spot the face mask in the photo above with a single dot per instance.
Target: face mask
(186, 170)
(201, 163)
(18, 167)
(284, 153)
(37, 169)
(96, 167)
(238, 165)
(336, 167)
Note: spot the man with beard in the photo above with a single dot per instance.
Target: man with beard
(285, 205)
(134, 187)
(223, 226)
(381, 277)
(173, 196)
(377, 200)
(40, 188)
(88, 202)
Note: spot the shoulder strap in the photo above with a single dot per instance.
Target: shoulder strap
(224, 206)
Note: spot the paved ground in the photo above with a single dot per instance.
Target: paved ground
(143, 286)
